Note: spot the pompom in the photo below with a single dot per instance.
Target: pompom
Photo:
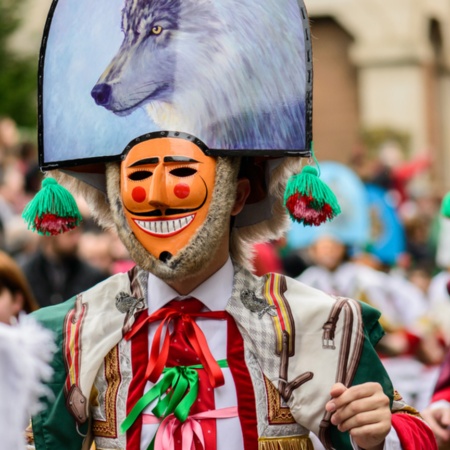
(445, 206)
(53, 210)
(309, 200)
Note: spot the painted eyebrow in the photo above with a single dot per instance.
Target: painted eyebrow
(143, 162)
(179, 159)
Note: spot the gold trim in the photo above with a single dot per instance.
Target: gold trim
(276, 413)
(108, 428)
(302, 442)
(29, 435)
(408, 410)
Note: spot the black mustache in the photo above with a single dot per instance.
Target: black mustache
(168, 212)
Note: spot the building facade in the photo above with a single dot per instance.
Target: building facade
(382, 67)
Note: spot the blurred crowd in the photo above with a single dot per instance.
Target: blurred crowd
(412, 290)
(406, 277)
(56, 267)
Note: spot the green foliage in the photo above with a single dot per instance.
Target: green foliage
(18, 75)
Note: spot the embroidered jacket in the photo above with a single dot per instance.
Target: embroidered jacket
(297, 342)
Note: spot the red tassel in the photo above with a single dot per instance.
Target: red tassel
(302, 209)
(51, 224)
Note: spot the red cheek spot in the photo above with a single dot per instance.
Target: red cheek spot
(182, 190)
(138, 194)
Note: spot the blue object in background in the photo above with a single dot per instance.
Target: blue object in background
(387, 235)
(352, 226)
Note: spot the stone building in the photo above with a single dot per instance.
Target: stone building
(382, 68)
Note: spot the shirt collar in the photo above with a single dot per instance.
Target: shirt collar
(214, 292)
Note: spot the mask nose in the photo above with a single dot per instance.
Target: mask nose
(158, 190)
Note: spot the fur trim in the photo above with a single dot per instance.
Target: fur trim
(244, 238)
(189, 261)
(96, 199)
(204, 244)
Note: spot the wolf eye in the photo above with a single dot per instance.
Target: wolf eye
(140, 175)
(156, 30)
(183, 172)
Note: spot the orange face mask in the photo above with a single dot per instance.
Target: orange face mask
(166, 188)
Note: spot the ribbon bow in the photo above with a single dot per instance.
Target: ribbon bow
(164, 438)
(195, 337)
(176, 392)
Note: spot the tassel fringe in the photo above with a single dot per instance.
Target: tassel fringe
(52, 211)
(286, 443)
(309, 200)
(445, 206)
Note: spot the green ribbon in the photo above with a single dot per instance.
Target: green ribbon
(176, 393)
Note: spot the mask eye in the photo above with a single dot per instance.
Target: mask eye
(140, 175)
(156, 30)
(183, 172)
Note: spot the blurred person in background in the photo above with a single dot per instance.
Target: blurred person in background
(20, 242)
(122, 261)
(351, 256)
(437, 414)
(56, 272)
(9, 137)
(439, 289)
(410, 344)
(15, 292)
(12, 190)
(94, 248)
(25, 351)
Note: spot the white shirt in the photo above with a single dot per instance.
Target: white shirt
(214, 293)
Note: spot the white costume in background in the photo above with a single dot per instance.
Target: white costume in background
(25, 351)
(403, 306)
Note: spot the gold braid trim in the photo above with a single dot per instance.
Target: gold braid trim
(286, 443)
(409, 410)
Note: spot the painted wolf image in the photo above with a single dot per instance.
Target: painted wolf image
(230, 72)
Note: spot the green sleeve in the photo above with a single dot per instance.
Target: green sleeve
(54, 427)
(370, 367)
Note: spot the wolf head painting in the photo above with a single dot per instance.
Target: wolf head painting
(212, 69)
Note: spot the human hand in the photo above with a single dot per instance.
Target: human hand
(362, 410)
(439, 421)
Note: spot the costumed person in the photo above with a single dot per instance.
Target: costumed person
(439, 288)
(26, 349)
(15, 292)
(56, 272)
(437, 414)
(342, 267)
(189, 349)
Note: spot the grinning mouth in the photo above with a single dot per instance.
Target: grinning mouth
(164, 228)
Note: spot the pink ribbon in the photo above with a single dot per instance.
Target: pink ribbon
(164, 439)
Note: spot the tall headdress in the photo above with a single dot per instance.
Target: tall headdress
(236, 75)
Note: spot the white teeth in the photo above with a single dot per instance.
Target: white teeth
(164, 227)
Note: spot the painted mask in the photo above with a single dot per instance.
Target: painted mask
(166, 189)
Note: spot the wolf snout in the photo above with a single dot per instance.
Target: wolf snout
(101, 93)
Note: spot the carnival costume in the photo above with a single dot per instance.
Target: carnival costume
(201, 177)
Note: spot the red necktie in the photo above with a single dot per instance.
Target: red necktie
(192, 332)
(186, 345)
(181, 353)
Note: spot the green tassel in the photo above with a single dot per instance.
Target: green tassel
(53, 210)
(445, 206)
(308, 199)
